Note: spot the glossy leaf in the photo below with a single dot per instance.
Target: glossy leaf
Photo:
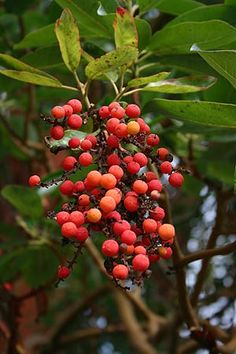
(24, 199)
(32, 78)
(199, 112)
(111, 61)
(144, 33)
(44, 36)
(140, 81)
(181, 85)
(223, 61)
(67, 33)
(125, 31)
(180, 38)
(170, 6)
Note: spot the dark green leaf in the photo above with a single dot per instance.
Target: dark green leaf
(125, 31)
(67, 33)
(42, 37)
(223, 61)
(32, 78)
(24, 199)
(170, 6)
(144, 33)
(180, 38)
(111, 61)
(140, 81)
(204, 113)
(46, 57)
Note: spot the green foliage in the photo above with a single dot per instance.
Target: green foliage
(125, 31)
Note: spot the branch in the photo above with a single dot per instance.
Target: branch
(230, 346)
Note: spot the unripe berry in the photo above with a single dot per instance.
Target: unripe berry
(162, 153)
(67, 187)
(149, 225)
(176, 179)
(133, 111)
(166, 232)
(120, 271)
(133, 167)
(57, 132)
(113, 141)
(76, 105)
(140, 263)
(68, 229)
(85, 159)
(77, 218)
(110, 248)
(74, 143)
(141, 159)
(62, 217)
(34, 181)
(69, 163)
(121, 130)
(82, 234)
(94, 178)
(75, 121)
(133, 128)
(86, 145)
(93, 215)
(153, 140)
(63, 272)
(68, 110)
(111, 124)
(108, 181)
(113, 159)
(128, 237)
(58, 112)
(107, 204)
(104, 112)
(116, 171)
(121, 226)
(140, 186)
(166, 167)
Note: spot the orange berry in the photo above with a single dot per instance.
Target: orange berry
(116, 171)
(149, 225)
(140, 187)
(115, 193)
(83, 200)
(94, 178)
(93, 215)
(166, 232)
(108, 181)
(133, 128)
(107, 204)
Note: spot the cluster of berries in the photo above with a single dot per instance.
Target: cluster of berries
(120, 196)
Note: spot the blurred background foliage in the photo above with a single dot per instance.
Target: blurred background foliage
(197, 124)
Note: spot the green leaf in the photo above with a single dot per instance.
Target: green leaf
(146, 80)
(230, 2)
(178, 39)
(199, 112)
(181, 85)
(125, 31)
(170, 6)
(90, 23)
(67, 33)
(46, 57)
(31, 78)
(223, 61)
(24, 199)
(54, 145)
(144, 33)
(111, 61)
(42, 37)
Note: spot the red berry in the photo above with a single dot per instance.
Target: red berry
(140, 263)
(94, 178)
(140, 250)
(63, 272)
(113, 215)
(113, 105)
(85, 159)
(153, 140)
(133, 111)
(162, 153)
(118, 112)
(76, 105)
(120, 271)
(128, 159)
(133, 167)
(158, 213)
(86, 145)
(58, 112)
(150, 176)
(131, 203)
(82, 234)
(113, 159)
(34, 181)
(121, 226)
(79, 186)
(68, 110)
(142, 124)
(62, 217)
(166, 167)
(57, 132)
(153, 258)
(128, 237)
(69, 229)
(166, 232)
(77, 218)
(141, 159)
(121, 130)
(111, 124)
(67, 187)
(176, 179)
(167, 254)
(84, 200)
(113, 141)
(69, 163)
(92, 138)
(74, 143)
(104, 112)
(110, 248)
(154, 184)
(116, 171)
(75, 121)
(149, 225)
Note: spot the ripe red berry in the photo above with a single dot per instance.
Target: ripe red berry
(128, 159)
(76, 105)
(63, 272)
(74, 143)
(121, 130)
(92, 138)
(121, 226)
(133, 111)
(162, 153)
(131, 203)
(69, 229)
(34, 181)
(128, 236)
(133, 167)
(158, 213)
(110, 248)
(116, 171)
(113, 141)
(68, 110)
(113, 215)
(94, 178)
(113, 159)
(142, 124)
(62, 217)
(166, 167)
(75, 121)
(85, 159)
(176, 179)
(86, 145)
(104, 112)
(69, 163)
(111, 124)
(113, 105)
(82, 234)
(153, 140)
(154, 184)
(58, 112)
(141, 159)
(153, 258)
(117, 112)
(57, 132)
(167, 254)
(140, 263)
(150, 176)
(140, 250)
(77, 218)
(79, 186)
(120, 271)
(149, 225)
(84, 200)
(67, 187)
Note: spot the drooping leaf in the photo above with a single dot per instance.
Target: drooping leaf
(181, 85)
(45, 57)
(42, 37)
(125, 31)
(67, 33)
(111, 61)
(199, 112)
(223, 61)
(31, 78)
(24, 199)
(140, 81)
(178, 39)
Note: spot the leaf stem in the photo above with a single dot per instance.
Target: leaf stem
(83, 90)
